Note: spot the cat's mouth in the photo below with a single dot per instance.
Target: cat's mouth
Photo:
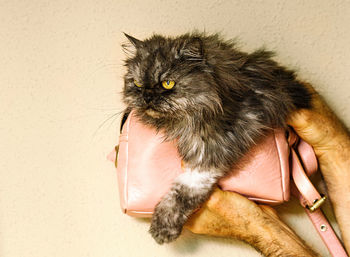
(152, 113)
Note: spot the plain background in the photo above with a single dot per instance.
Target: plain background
(60, 80)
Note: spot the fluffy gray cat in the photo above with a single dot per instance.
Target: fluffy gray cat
(215, 100)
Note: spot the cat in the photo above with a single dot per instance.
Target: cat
(215, 100)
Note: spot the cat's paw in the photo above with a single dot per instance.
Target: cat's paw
(164, 234)
(166, 226)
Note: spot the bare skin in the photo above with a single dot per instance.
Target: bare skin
(227, 214)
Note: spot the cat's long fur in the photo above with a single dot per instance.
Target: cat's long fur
(223, 102)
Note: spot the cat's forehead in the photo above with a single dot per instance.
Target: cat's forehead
(156, 62)
(159, 58)
(161, 53)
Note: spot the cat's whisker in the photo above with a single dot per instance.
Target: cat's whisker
(114, 115)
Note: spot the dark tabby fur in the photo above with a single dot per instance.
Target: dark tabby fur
(223, 102)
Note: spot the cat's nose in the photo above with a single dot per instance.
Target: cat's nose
(148, 95)
(147, 98)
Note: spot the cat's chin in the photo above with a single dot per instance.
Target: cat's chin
(152, 113)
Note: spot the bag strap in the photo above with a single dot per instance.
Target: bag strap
(311, 200)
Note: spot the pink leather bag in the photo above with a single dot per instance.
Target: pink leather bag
(147, 166)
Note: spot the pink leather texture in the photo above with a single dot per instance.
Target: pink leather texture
(267, 163)
(324, 229)
(147, 176)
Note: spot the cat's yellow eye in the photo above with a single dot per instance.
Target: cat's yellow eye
(168, 84)
(137, 84)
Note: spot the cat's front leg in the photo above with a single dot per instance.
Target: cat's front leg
(189, 191)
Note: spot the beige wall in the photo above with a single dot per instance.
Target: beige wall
(60, 78)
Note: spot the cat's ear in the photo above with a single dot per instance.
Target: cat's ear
(136, 43)
(132, 46)
(193, 49)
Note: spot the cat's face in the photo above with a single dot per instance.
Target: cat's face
(169, 78)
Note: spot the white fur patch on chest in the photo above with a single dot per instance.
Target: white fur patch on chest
(196, 179)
